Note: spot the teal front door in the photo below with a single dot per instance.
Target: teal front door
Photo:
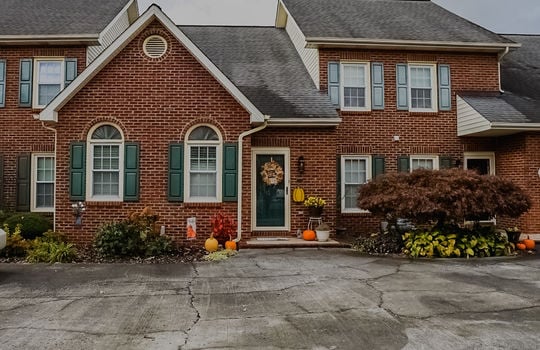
(270, 175)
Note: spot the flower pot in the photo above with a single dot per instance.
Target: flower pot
(322, 236)
(315, 212)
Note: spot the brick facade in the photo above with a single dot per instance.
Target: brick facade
(20, 132)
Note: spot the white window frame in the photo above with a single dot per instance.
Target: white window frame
(342, 175)
(434, 87)
(367, 85)
(90, 165)
(35, 77)
(187, 166)
(432, 157)
(33, 190)
(480, 155)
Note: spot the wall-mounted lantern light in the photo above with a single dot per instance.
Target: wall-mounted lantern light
(301, 164)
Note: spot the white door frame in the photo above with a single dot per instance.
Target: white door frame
(255, 172)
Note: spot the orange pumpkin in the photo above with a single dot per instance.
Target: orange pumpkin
(521, 246)
(309, 235)
(529, 243)
(230, 244)
(211, 244)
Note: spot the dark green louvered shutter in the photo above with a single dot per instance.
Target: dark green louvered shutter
(445, 163)
(77, 171)
(23, 182)
(1, 181)
(402, 86)
(131, 172)
(377, 86)
(230, 172)
(333, 82)
(2, 83)
(445, 93)
(25, 83)
(378, 167)
(404, 164)
(176, 172)
(70, 71)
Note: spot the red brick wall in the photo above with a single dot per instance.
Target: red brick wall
(371, 133)
(20, 133)
(154, 102)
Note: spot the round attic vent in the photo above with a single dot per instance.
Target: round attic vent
(155, 46)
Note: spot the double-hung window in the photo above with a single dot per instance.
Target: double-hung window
(42, 199)
(355, 171)
(106, 159)
(49, 80)
(355, 87)
(204, 165)
(423, 94)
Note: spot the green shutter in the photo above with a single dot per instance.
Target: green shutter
(333, 82)
(2, 83)
(230, 172)
(445, 93)
(404, 164)
(70, 71)
(77, 171)
(446, 163)
(378, 167)
(23, 183)
(25, 83)
(377, 86)
(1, 181)
(176, 172)
(131, 172)
(402, 87)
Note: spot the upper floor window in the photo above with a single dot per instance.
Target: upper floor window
(356, 86)
(423, 87)
(422, 92)
(105, 159)
(41, 79)
(203, 165)
(355, 92)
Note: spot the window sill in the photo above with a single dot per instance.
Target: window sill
(104, 204)
(216, 205)
(349, 112)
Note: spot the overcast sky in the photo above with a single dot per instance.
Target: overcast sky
(500, 16)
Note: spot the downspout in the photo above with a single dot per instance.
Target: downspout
(240, 164)
(54, 194)
(501, 56)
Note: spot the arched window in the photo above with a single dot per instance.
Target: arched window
(105, 158)
(203, 164)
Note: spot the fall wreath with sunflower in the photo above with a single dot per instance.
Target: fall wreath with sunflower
(272, 173)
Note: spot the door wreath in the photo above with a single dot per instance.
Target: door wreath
(272, 173)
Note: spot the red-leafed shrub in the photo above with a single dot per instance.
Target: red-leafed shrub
(442, 196)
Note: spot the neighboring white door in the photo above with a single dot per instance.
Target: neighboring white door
(270, 189)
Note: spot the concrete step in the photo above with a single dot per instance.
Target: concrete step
(289, 242)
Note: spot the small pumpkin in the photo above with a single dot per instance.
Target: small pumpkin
(298, 195)
(309, 235)
(521, 246)
(230, 244)
(529, 243)
(211, 244)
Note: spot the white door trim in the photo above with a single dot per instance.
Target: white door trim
(480, 155)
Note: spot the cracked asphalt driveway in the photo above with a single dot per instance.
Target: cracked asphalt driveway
(274, 299)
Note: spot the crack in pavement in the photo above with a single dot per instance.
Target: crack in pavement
(192, 305)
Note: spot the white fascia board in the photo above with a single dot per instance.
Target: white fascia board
(316, 42)
(50, 113)
(304, 122)
(64, 39)
(115, 19)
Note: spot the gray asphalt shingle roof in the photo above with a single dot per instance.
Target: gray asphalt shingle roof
(263, 63)
(504, 108)
(57, 17)
(418, 20)
(520, 69)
